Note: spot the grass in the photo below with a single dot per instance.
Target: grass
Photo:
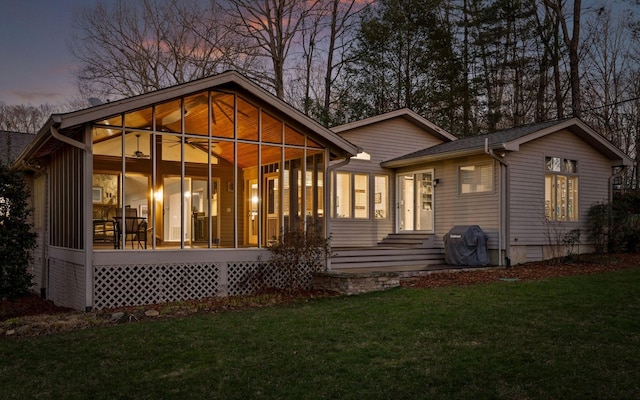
(575, 337)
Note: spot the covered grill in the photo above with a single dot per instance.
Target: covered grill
(466, 245)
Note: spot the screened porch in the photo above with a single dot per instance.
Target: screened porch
(207, 170)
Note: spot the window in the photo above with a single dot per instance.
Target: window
(476, 178)
(561, 189)
(361, 195)
(343, 195)
(380, 197)
(352, 195)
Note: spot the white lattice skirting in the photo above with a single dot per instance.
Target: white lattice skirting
(132, 285)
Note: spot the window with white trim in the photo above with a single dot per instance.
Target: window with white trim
(380, 196)
(343, 195)
(361, 196)
(351, 198)
(561, 189)
(475, 178)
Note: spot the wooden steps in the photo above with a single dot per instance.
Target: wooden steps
(407, 240)
(385, 258)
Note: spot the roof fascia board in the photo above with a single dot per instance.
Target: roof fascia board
(229, 77)
(583, 131)
(144, 100)
(432, 158)
(42, 137)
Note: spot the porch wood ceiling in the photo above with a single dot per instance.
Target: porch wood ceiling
(169, 119)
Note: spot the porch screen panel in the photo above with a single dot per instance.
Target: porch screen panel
(139, 119)
(224, 172)
(168, 116)
(292, 189)
(165, 212)
(222, 114)
(314, 190)
(136, 185)
(247, 168)
(196, 114)
(269, 203)
(272, 129)
(248, 120)
(67, 197)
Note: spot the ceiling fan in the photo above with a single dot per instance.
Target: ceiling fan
(199, 144)
(138, 153)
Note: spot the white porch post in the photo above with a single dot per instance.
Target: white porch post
(88, 220)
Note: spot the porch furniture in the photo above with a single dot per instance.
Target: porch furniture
(200, 227)
(103, 230)
(133, 228)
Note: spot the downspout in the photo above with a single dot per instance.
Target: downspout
(86, 210)
(327, 201)
(503, 206)
(57, 120)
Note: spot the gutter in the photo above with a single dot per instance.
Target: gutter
(503, 206)
(57, 120)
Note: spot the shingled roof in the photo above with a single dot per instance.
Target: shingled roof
(510, 140)
(478, 142)
(12, 144)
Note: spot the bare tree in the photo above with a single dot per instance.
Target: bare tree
(131, 48)
(23, 118)
(572, 42)
(271, 27)
(326, 35)
(607, 81)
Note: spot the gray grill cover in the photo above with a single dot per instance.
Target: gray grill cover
(466, 245)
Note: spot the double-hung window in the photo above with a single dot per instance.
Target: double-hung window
(352, 195)
(561, 189)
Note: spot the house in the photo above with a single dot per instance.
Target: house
(176, 194)
(12, 144)
(528, 188)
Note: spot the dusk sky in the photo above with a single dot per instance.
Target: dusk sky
(36, 65)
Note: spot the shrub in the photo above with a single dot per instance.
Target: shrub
(616, 224)
(598, 226)
(296, 255)
(17, 238)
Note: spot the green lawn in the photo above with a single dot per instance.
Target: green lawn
(561, 338)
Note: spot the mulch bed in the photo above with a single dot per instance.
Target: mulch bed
(28, 305)
(582, 265)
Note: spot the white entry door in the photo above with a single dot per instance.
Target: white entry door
(415, 202)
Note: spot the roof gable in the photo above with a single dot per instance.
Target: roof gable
(403, 113)
(511, 140)
(229, 80)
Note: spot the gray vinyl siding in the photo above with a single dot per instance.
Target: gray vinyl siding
(527, 170)
(382, 141)
(452, 208)
(390, 139)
